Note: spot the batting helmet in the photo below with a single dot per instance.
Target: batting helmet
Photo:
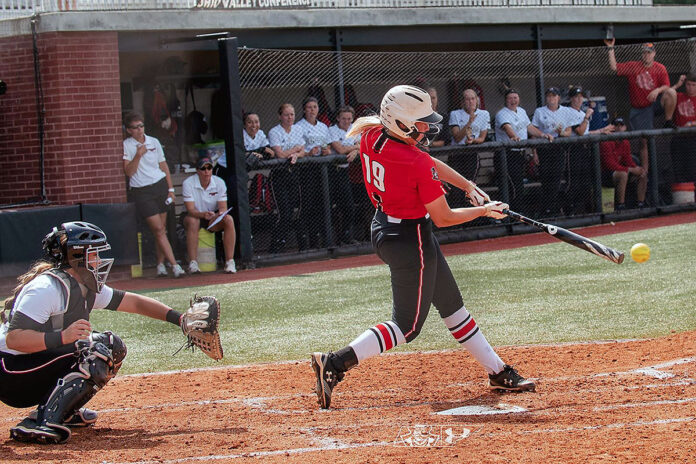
(77, 245)
(403, 106)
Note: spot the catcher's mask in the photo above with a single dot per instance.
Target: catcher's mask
(403, 106)
(77, 245)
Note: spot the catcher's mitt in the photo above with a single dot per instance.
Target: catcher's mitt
(200, 325)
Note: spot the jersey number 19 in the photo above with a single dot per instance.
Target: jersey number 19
(374, 173)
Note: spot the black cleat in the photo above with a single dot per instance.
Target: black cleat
(28, 431)
(509, 379)
(327, 378)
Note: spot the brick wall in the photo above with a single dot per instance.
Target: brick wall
(83, 141)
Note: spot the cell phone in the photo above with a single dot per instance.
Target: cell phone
(610, 31)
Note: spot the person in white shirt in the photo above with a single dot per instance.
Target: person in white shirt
(339, 182)
(512, 124)
(316, 136)
(151, 186)
(287, 142)
(205, 198)
(256, 144)
(554, 120)
(469, 126)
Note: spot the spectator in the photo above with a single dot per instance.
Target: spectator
(469, 126)
(316, 136)
(684, 146)
(444, 135)
(255, 142)
(512, 124)
(580, 154)
(287, 142)
(619, 169)
(151, 187)
(341, 191)
(205, 198)
(553, 120)
(647, 80)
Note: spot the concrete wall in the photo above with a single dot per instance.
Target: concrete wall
(83, 139)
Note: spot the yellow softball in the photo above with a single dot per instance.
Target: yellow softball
(640, 252)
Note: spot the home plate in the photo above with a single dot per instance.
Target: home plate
(481, 410)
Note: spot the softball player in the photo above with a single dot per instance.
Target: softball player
(404, 185)
(49, 355)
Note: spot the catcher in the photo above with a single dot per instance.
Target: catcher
(49, 355)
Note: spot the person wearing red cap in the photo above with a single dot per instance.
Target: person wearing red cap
(648, 89)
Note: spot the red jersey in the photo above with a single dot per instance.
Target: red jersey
(686, 109)
(642, 80)
(616, 155)
(400, 179)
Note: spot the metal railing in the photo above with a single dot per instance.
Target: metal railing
(10, 9)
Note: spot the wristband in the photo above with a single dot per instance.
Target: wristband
(171, 190)
(173, 317)
(53, 340)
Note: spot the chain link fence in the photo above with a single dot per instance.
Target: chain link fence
(320, 201)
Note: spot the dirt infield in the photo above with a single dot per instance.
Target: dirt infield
(613, 402)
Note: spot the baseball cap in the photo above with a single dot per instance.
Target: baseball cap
(648, 47)
(619, 122)
(553, 90)
(575, 91)
(203, 161)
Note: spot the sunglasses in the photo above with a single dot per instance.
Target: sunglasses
(207, 167)
(137, 126)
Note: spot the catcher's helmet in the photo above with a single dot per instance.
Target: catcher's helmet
(404, 105)
(77, 245)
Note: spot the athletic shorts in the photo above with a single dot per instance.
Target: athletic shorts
(150, 200)
(643, 118)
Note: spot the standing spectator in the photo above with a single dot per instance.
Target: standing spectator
(150, 186)
(255, 142)
(469, 126)
(580, 154)
(205, 198)
(316, 136)
(512, 124)
(444, 136)
(619, 169)
(287, 142)
(684, 146)
(552, 119)
(341, 191)
(649, 91)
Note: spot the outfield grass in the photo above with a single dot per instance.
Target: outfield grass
(541, 294)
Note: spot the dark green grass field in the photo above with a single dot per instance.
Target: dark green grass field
(541, 294)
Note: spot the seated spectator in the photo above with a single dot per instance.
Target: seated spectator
(684, 146)
(287, 142)
(339, 183)
(512, 124)
(205, 198)
(255, 142)
(648, 89)
(619, 169)
(553, 120)
(444, 136)
(151, 187)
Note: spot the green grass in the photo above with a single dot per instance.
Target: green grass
(542, 294)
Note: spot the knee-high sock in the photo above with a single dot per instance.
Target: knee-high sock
(377, 339)
(465, 331)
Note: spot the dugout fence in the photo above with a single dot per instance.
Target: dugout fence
(319, 205)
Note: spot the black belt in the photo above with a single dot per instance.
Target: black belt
(382, 217)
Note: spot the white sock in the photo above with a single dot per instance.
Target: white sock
(377, 340)
(464, 329)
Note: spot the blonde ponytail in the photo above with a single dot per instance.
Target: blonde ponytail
(362, 124)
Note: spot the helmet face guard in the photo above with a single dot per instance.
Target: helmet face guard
(92, 268)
